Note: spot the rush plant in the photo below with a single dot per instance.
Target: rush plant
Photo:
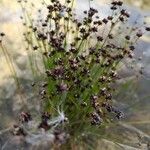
(81, 58)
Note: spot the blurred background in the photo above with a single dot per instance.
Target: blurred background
(133, 96)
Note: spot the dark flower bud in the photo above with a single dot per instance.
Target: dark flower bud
(45, 54)
(109, 17)
(147, 28)
(139, 34)
(100, 38)
(131, 55)
(119, 3)
(94, 29)
(82, 30)
(121, 18)
(91, 50)
(110, 36)
(68, 1)
(85, 35)
(66, 18)
(44, 24)
(113, 8)
(127, 37)
(92, 12)
(79, 24)
(121, 55)
(109, 108)
(2, 34)
(123, 11)
(132, 47)
(50, 8)
(114, 2)
(35, 47)
(97, 17)
(68, 9)
(105, 20)
(77, 38)
(85, 12)
(99, 22)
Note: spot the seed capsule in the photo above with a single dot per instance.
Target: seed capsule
(2, 34)
(139, 34)
(105, 20)
(119, 3)
(127, 37)
(99, 38)
(109, 17)
(147, 28)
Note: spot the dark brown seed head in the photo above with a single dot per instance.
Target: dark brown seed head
(105, 20)
(85, 12)
(123, 11)
(114, 2)
(2, 34)
(100, 38)
(35, 47)
(99, 22)
(139, 34)
(110, 36)
(68, 1)
(119, 3)
(132, 47)
(127, 37)
(121, 18)
(113, 8)
(147, 28)
(109, 17)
